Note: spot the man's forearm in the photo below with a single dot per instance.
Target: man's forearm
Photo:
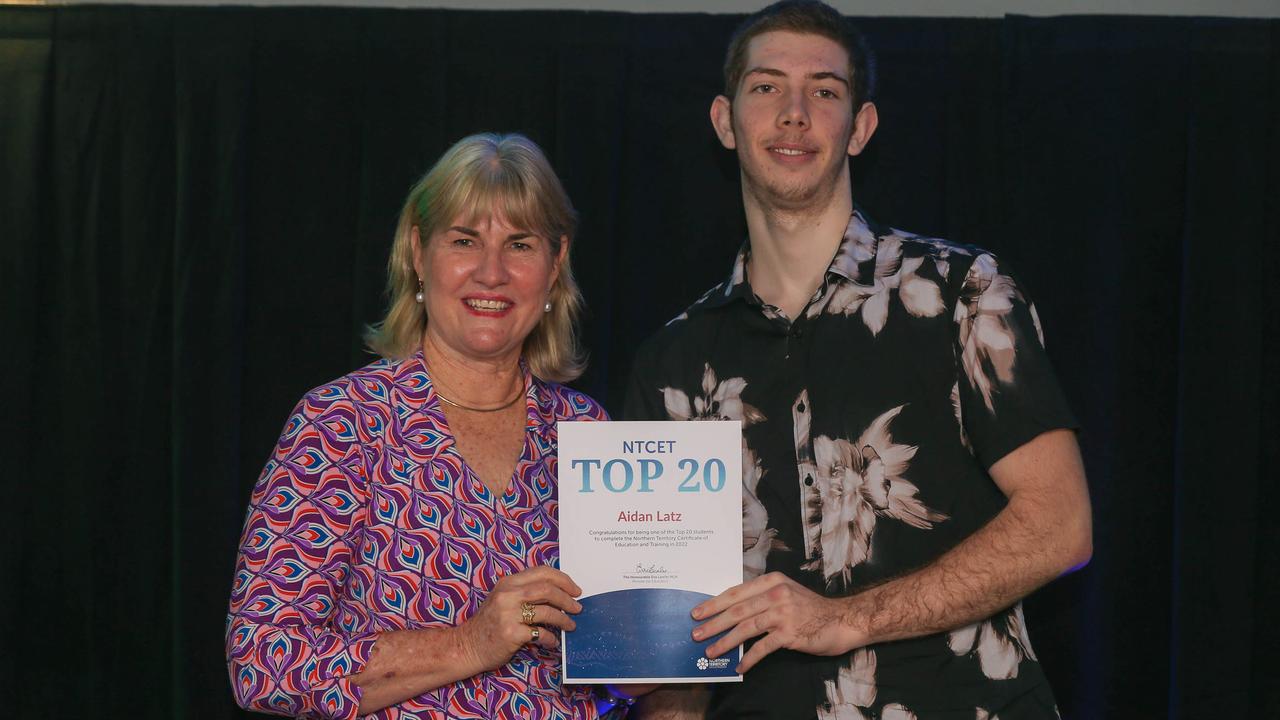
(1043, 532)
(989, 571)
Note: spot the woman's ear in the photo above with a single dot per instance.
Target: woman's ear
(562, 256)
(418, 258)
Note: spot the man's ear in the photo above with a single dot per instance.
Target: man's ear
(722, 121)
(864, 126)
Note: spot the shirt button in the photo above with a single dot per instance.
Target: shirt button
(808, 480)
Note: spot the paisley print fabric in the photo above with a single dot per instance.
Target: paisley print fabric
(366, 519)
(869, 423)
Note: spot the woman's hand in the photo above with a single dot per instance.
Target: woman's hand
(407, 663)
(501, 626)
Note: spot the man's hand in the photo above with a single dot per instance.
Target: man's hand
(786, 613)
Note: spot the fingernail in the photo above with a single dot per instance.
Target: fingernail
(697, 633)
(697, 613)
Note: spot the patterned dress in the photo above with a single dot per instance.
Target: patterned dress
(365, 520)
(869, 424)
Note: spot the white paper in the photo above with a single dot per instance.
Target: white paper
(650, 526)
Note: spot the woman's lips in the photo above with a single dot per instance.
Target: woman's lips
(487, 306)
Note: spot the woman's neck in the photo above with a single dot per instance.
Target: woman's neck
(471, 382)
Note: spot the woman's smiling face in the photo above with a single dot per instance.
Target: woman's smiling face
(485, 285)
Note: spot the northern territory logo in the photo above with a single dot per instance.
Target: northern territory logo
(717, 664)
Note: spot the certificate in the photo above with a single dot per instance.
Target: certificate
(650, 526)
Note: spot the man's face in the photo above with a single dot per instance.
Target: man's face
(792, 120)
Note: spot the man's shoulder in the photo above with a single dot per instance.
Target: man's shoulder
(681, 330)
(946, 262)
(920, 245)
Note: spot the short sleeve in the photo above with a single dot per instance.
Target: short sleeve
(1008, 391)
(289, 649)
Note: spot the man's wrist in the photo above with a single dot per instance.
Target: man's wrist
(854, 620)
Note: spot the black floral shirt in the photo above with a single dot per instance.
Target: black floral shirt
(869, 423)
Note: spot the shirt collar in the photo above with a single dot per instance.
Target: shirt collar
(541, 417)
(855, 260)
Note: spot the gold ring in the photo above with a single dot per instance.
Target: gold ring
(526, 613)
(534, 634)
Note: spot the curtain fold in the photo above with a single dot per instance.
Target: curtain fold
(196, 206)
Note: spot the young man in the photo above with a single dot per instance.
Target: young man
(909, 468)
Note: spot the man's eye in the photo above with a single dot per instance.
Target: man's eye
(763, 88)
(828, 94)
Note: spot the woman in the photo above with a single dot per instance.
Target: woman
(398, 557)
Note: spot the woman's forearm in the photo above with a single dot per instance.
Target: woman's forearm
(408, 663)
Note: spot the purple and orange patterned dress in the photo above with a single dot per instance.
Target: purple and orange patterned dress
(366, 519)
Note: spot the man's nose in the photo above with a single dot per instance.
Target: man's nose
(795, 113)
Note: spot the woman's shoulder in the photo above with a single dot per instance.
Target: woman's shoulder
(567, 403)
(371, 384)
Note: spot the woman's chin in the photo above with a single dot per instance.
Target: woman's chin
(488, 348)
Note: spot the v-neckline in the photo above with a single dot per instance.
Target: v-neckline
(495, 499)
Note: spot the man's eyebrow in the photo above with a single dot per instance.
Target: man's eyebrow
(764, 71)
(828, 75)
(823, 75)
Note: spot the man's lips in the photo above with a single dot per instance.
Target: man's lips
(789, 150)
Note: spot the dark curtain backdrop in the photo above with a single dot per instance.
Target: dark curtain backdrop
(196, 207)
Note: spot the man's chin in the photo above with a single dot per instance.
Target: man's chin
(792, 198)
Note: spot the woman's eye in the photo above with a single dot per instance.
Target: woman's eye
(520, 245)
(463, 242)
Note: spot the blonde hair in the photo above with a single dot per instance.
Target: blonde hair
(482, 176)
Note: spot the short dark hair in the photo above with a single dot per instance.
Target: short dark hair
(809, 17)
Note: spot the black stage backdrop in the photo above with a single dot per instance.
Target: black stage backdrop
(196, 206)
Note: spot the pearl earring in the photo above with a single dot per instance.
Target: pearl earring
(547, 308)
(419, 297)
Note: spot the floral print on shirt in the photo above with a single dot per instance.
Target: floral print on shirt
(869, 423)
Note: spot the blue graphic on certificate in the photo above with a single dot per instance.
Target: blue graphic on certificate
(650, 526)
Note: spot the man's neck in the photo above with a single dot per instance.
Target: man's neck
(791, 250)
